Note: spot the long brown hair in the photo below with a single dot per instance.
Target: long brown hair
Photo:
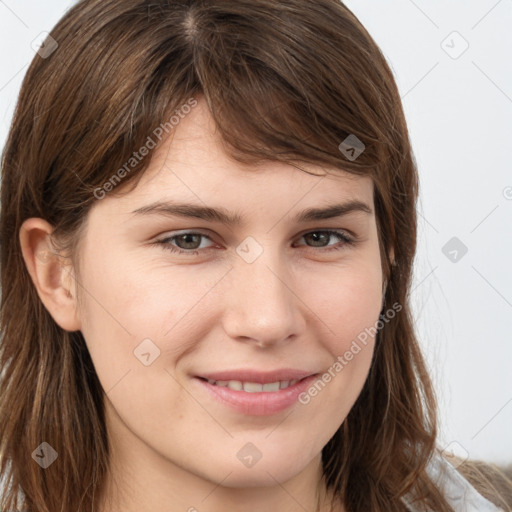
(285, 81)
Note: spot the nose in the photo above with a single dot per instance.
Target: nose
(262, 307)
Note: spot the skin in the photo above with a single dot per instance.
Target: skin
(296, 305)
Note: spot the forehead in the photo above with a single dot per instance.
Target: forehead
(192, 164)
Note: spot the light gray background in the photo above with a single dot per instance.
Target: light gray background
(459, 111)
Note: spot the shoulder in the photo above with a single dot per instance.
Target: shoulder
(489, 480)
(466, 485)
(473, 484)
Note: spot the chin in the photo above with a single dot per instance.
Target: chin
(271, 468)
(259, 477)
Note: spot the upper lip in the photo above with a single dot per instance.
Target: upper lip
(251, 375)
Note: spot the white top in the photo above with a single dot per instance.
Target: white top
(461, 495)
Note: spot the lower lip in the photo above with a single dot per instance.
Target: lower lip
(259, 403)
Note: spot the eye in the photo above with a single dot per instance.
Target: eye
(322, 236)
(189, 242)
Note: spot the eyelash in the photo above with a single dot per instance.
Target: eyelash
(164, 242)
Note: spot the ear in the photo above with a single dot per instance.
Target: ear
(385, 283)
(51, 273)
(392, 256)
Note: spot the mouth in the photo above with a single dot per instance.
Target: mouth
(255, 398)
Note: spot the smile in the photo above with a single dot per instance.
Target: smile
(253, 387)
(254, 398)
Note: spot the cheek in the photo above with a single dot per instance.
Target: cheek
(346, 301)
(128, 303)
(348, 309)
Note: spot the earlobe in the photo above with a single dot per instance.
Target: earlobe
(385, 283)
(392, 256)
(51, 274)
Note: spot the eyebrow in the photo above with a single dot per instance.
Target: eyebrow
(223, 216)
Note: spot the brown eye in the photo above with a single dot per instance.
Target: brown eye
(318, 238)
(189, 243)
(321, 239)
(188, 240)
(184, 243)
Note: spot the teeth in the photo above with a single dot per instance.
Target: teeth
(236, 385)
(254, 387)
(272, 386)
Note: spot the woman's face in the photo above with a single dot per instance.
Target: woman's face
(271, 293)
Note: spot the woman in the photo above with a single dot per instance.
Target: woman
(208, 226)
